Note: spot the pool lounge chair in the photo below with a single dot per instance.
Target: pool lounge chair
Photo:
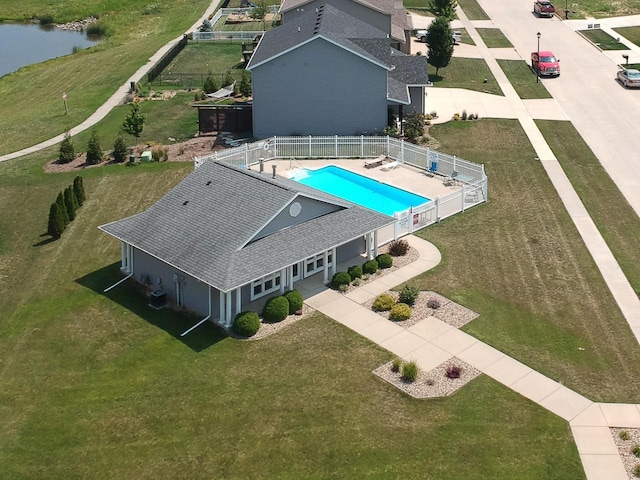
(433, 169)
(391, 166)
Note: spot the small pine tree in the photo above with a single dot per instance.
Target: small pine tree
(120, 149)
(228, 79)
(245, 85)
(56, 221)
(440, 44)
(210, 84)
(67, 150)
(78, 189)
(94, 152)
(63, 208)
(70, 203)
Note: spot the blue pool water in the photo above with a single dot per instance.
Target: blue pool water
(364, 191)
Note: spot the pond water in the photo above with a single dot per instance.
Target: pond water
(22, 45)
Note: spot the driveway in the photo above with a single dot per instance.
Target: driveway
(605, 114)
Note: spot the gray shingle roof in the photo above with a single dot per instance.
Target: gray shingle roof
(202, 225)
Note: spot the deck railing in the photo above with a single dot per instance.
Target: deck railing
(470, 176)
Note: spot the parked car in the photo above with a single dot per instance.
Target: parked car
(544, 8)
(547, 65)
(421, 36)
(629, 77)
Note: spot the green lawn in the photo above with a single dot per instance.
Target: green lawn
(205, 57)
(600, 8)
(630, 33)
(520, 263)
(101, 385)
(619, 225)
(523, 79)
(31, 109)
(466, 73)
(494, 38)
(473, 10)
(603, 40)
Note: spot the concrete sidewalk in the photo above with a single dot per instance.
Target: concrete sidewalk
(432, 342)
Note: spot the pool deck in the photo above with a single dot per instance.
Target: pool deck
(405, 177)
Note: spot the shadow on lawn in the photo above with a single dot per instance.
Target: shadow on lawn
(130, 295)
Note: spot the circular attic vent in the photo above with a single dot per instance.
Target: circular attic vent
(295, 209)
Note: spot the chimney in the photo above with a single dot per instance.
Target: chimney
(274, 171)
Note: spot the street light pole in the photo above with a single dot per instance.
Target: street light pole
(538, 69)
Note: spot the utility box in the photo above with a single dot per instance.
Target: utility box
(158, 299)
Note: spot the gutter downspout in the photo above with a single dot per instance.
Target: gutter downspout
(201, 321)
(118, 283)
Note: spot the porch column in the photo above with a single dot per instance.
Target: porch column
(238, 300)
(367, 246)
(222, 299)
(334, 264)
(290, 276)
(283, 280)
(375, 243)
(228, 309)
(325, 264)
(123, 255)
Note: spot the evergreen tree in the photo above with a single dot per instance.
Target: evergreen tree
(67, 150)
(245, 85)
(440, 43)
(56, 221)
(210, 84)
(228, 79)
(70, 203)
(120, 149)
(414, 126)
(94, 152)
(134, 122)
(78, 189)
(443, 8)
(63, 208)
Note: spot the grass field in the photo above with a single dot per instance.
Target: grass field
(494, 38)
(466, 73)
(523, 79)
(520, 263)
(473, 10)
(30, 106)
(630, 33)
(601, 8)
(603, 40)
(102, 385)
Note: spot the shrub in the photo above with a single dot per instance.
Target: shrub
(210, 85)
(409, 294)
(70, 202)
(56, 221)
(410, 372)
(433, 303)
(365, 276)
(45, 20)
(97, 29)
(63, 208)
(78, 189)
(383, 303)
(400, 312)
(384, 261)
(370, 267)
(636, 450)
(355, 272)
(245, 84)
(624, 435)
(343, 288)
(339, 279)
(276, 309)
(228, 79)
(94, 151)
(398, 248)
(67, 150)
(636, 470)
(396, 364)
(464, 115)
(120, 149)
(295, 300)
(453, 371)
(246, 324)
(158, 154)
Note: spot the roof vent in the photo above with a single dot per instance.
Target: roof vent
(298, 28)
(209, 182)
(274, 171)
(185, 202)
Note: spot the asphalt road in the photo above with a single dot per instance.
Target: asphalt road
(604, 113)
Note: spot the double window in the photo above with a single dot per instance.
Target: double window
(265, 285)
(315, 264)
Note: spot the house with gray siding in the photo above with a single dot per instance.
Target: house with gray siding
(329, 73)
(390, 16)
(226, 236)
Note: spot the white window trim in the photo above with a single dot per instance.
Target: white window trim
(315, 259)
(262, 281)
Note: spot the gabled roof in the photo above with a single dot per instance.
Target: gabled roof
(203, 226)
(408, 71)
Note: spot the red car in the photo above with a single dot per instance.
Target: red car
(547, 65)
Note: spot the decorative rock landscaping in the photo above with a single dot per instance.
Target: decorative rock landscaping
(626, 442)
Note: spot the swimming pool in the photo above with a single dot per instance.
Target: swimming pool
(358, 189)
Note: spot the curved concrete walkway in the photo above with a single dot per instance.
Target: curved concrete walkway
(116, 99)
(432, 342)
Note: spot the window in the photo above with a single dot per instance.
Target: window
(265, 285)
(315, 264)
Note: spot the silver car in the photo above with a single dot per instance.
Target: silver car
(629, 77)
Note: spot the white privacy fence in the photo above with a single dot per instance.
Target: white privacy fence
(468, 175)
(231, 35)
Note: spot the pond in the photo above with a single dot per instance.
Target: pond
(27, 44)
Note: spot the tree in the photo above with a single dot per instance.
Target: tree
(259, 12)
(78, 189)
(245, 85)
(67, 150)
(63, 208)
(228, 79)
(134, 122)
(414, 126)
(120, 149)
(210, 84)
(94, 152)
(70, 202)
(443, 8)
(440, 44)
(56, 221)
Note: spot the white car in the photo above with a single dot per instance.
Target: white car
(629, 77)
(421, 36)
